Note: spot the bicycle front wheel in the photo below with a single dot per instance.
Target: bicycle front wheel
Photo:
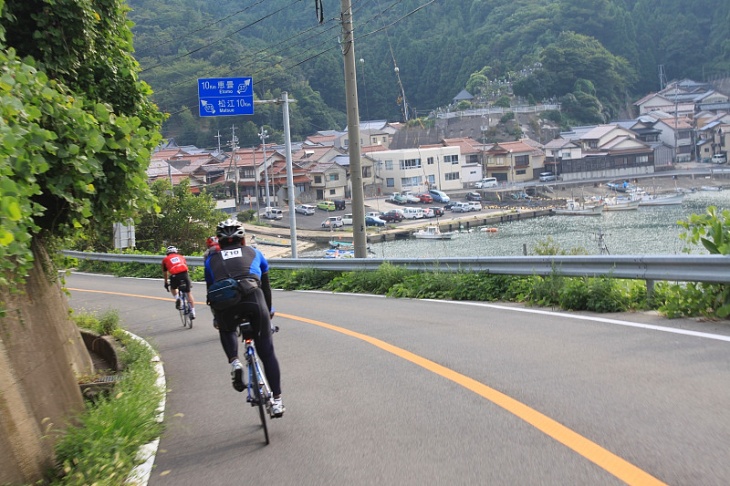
(258, 394)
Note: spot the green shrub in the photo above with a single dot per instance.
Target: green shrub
(102, 445)
(599, 294)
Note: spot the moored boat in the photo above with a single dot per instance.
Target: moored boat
(337, 253)
(342, 244)
(621, 204)
(661, 199)
(574, 208)
(433, 233)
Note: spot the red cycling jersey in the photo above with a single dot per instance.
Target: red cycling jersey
(174, 263)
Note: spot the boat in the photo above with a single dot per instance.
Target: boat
(433, 233)
(342, 245)
(621, 187)
(488, 230)
(661, 199)
(574, 208)
(711, 188)
(337, 253)
(621, 204)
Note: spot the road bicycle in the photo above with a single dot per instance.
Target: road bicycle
(185, 308)
(258, 391)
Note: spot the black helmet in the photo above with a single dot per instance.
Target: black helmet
(229, 231)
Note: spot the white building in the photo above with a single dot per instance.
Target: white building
(419, 169)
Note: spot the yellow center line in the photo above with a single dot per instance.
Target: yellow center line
(610, 462)
(169, 299)
(603, 458)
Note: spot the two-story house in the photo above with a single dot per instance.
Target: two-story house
(676, 132)
(513, 161)
(608, 151)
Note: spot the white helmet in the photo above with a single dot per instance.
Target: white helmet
(171, 249)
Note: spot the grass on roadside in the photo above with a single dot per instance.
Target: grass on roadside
(101, 447)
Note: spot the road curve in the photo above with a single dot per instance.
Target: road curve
(400, 391)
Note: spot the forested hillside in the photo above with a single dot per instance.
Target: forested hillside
(596, 56)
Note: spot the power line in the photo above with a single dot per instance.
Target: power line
(206, 26)
(310, 55)
(220, 39)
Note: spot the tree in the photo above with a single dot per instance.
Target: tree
(76, 133)
(185, 220)
(81, 124)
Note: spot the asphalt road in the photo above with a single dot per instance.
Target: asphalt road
(409, 392)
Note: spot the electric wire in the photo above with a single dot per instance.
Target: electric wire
(310, 54)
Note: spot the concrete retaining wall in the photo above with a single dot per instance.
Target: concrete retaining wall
(41, 352)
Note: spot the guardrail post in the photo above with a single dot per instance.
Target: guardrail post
(649, 291)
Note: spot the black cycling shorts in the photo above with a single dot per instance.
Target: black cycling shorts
(181, 281)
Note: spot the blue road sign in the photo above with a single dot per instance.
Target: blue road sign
(225, 96)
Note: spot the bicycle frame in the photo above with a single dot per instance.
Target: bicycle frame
(256, 375)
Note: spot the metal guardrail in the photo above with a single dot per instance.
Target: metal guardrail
(680, 268)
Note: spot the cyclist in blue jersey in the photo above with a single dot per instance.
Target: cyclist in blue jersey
(236, 260)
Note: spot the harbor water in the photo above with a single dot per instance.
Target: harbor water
(649, 230)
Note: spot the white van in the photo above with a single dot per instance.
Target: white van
(273, 213)
(413, 213)
(487, 182)
(347, 219)
(547, 177)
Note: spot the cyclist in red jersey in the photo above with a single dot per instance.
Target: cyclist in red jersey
(175, 266)
(212, 244)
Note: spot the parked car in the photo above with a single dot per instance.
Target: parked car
(333, 222)
(718, 159)
(411, 198)
(439, 196)
(326, 205)
(304, 209)
(375, 214)
(475, 205)
(461, 207)
(428, 213)
(473, 196)
(449, 206)
(486, 182)
(392, 216)
(413, 213)
(347, 219)
(437, 211)
(425, 198)
(374, 221)
(273, 213)
(340, 204)
(547, 177)
(398, 199)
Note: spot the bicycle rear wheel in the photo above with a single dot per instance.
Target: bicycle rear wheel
(185, 312)
(258, 394)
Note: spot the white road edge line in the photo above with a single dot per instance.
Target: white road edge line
(140, 475)
(705, 335)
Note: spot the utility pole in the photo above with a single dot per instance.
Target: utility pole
(264, 135)
(359, 232)
(234, 147)
(290, 177)
(289, 167)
